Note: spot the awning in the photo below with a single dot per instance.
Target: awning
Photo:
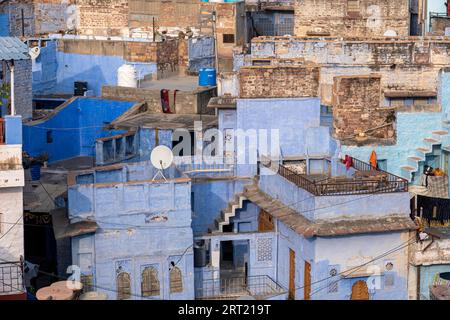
(64, 229)
(13, 49)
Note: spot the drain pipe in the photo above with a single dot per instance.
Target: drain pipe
(11, 69)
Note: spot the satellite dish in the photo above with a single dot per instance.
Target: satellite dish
(161, 158)
(390, 33)
(34, 52)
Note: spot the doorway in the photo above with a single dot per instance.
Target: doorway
(291, 274)
(360, 291)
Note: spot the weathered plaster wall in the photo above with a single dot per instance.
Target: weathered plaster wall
(292, 118)
(344, 253)
(12, 245)
(142, 224)
(209, 198)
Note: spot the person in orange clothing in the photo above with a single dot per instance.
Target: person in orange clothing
(373, 160)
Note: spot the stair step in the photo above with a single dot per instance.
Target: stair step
(423, 150)
(415, 158)
(446, 148)
(431, 140)
(409, 168)
(440, 132)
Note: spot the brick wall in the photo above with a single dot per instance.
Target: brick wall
(351, 17)
(103, 17)
(405, 64)
(273, 82)
(357, 115)
(23, 92)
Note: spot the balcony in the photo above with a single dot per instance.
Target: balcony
(364, 180)
(257, 287)
(11, 278)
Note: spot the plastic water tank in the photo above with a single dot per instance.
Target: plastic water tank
(207, 77)
(127, 76)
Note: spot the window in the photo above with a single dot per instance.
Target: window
(353, 6)
(150, 282)
(176, 280)
(333, 280)
(228, 38)
(123, 286)
(49, 136)
(382, 164)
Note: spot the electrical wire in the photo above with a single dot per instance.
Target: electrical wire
(12, 227)
(350, 271)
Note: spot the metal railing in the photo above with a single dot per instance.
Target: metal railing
(11, 277)
(378, 182)
(2, 131)
(258, 287)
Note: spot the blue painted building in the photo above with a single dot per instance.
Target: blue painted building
(141, 244)
(55, 70)
(312, 240)
(72, 129)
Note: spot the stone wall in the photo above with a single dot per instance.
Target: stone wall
(405, 64)
(186, 103)
(357, 114)
(23, 92)
(276, 82)
(351, 17)
(103, 17)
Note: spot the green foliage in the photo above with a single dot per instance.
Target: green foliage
(5, 91)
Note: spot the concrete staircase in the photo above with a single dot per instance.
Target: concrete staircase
(438, 137)
(228, 213)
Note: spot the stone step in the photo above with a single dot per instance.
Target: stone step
(414, 161)
(431, 141)
(440, 132)
(408, 168)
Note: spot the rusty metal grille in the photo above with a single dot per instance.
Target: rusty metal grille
(389, 184)
(176, 280)
(259, 287)
(11, 277)
(123, 286)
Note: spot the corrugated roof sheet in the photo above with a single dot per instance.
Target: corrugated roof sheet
(13, 49)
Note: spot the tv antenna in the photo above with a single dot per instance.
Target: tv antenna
(161, 158)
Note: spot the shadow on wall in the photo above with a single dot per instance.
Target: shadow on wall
(72, 129)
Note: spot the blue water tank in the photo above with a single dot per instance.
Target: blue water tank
(207, 77)
(35, 171)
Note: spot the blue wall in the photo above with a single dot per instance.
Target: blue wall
(13, 129)
(209, 198)
(140, 224)
(73, 128)
(4, 25)
(59, 70)
(427, 277)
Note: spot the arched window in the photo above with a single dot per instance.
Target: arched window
(150, 282)
(123, 286)
(176, 280)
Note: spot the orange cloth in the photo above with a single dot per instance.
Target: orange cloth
(373, 160)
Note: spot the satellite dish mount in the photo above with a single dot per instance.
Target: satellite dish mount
(161, 158)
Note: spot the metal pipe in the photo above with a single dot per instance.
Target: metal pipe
(13, 111)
